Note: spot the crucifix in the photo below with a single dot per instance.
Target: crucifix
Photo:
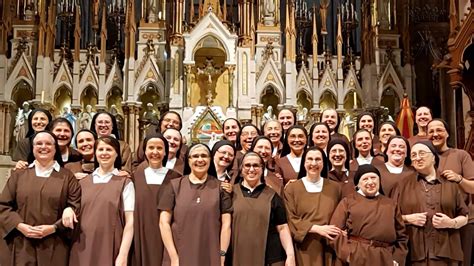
(209, 70)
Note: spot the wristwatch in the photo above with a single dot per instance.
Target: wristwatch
(222, 253)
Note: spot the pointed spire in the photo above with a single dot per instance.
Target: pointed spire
(315, 37)
(252, 29)
(130, 29)
(191, 11)
(103, 33)
(339, 40)
(287, 31)
(293, 30)
(77, 34)
(42, 28)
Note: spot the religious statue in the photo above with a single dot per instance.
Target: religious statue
(150, 114)
(152, 10)
(323, 6)
(85, 119)
(269, 8)
(21, 122)
(302, 114)
(113, 110)
(268, 115)
(69, 115)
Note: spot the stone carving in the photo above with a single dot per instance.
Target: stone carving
(21, 122)
(85, 119)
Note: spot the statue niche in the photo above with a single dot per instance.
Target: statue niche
(209, 78)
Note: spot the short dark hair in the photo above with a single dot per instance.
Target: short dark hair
(286, 147)
(109, 140)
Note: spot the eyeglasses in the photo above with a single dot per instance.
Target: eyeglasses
(420, 154)
(247, 166)
(197, 156)
(226, 153)
(47, 144)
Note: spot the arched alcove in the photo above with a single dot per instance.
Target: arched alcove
(390, 100)
(22, 92)
(89, 97)
(62, 98)
(149, 93)
(271, 98)
(114, 97)
(327, 100)
(304, 100)
(210, 76)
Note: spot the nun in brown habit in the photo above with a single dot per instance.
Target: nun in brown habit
(260, 230)
(263, 146)
(433, 210)
(33, 206)
(310, 202)
(105, 230)
(149, 177)
(196, 214)
(374, 229)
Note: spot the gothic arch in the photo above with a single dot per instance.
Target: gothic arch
(62, 98)
(22, 92)
(270, 97)
(390, 99)
(327, 100)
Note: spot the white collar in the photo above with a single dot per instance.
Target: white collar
(55, 166)
(364, 160)
(46, 173)
(115, 171)
(313, 187)
(394, 169)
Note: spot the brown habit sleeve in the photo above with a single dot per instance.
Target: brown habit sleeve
(298, 226)
(9, 218)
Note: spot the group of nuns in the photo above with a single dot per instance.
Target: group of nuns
(275, 195)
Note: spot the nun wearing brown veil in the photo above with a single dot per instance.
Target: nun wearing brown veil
(375, 232)
(149, 178)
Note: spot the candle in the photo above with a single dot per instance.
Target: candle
(355, 100)
(42, 96)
